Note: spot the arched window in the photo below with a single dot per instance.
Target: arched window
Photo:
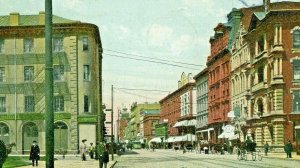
(296, 38)
(4, 133)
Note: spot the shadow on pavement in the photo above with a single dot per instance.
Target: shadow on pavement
(130, 153)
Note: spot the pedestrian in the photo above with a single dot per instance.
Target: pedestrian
(91, 150)
(83, 150)
(34, 153)
(105, 156)
(266, 148)
(288, 148)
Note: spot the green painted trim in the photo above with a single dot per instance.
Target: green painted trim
(61, 116)
(87, 119)
(33, 116)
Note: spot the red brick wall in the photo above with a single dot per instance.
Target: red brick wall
(148, 120)
(123, 124)
(219, 78)
(170, 108)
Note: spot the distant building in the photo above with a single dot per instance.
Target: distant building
(203, 133)
(179, 107)
(133, 130)
(149, 118)
(76, 57)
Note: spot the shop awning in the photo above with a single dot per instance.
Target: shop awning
(156, 139)
(181, 123)
(185, 123)
(183, 138)
(206, 130)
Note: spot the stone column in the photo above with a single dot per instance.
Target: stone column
(278, 134)
(256, 48)
(258, 136)
(265, 42)
(267, 135)
(278, 100)
(280, 34)
(275, 67)
(276, 34)
(280, 66)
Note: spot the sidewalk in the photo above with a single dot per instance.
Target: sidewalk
(282, 156)
(72, 161)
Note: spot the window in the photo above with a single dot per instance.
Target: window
(86, 73)
(28, 45)
(85, 43)
(29, 104)
(58, 44)
(2, 104)
(296, 69)
(58, 72)
(28, 73)
(260, 74)
(296, 101)
(1, 45)
(58, 103)
(296, 39)
(2, 74)
(261, 44)
(86, 103)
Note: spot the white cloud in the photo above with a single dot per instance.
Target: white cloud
(187, 43)
(158, 34)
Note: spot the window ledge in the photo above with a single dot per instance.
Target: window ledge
(296, 82)
(295, 50)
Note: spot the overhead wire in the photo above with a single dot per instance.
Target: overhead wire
(139, 59)
(142, 56)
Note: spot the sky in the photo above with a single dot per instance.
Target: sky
(133, 31)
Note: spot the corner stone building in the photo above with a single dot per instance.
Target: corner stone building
(76, 64)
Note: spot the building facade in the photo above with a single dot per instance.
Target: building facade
(134, 128)
(76, 62)
(179, 107)
(202, 105)
(273, 38)
(150, 119)
(218, 64)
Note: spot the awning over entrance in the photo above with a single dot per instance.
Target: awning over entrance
(183, 138)
(156, 139)
(185, 123)
(206, 130)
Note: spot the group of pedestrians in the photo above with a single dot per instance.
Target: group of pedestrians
(100, 151)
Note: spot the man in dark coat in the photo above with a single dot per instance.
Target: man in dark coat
(34, 153)
(105, 157)
(288, 148)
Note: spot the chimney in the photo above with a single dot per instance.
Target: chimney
(267, 5)
(14, 19)
(41, 18)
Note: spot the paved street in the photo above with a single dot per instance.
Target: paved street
(169, 158)
(72, 161)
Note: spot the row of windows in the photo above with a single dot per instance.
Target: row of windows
(58, 44)
(58, 73)
(58, 104)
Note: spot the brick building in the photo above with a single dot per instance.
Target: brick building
(179, 106)
(218, 64)
(150, 119)
(273, 38)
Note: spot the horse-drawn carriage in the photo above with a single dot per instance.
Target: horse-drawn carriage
(249, 149)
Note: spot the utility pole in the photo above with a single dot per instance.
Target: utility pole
(112, 122)
(49, 116)
(118, 127)
(100, 117)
